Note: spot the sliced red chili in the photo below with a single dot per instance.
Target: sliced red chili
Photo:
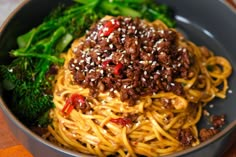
(109, 27)
(105, 63)
(122, 121)
(117, 68)
(71, 102)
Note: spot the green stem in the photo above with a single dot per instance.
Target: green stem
(51, 58)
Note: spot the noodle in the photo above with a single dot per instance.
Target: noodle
(156, 127)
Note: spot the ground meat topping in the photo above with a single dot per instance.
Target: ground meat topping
(130, 56)
(206, 134)
(185, 137)
(217, 120)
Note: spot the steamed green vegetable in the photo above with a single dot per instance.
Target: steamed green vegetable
(28, 78)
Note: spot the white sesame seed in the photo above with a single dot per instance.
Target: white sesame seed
(230, 91)
(206, 113)
(154, 62)
(160, 41)
(113, 21)
(75, 49)
(211, 105)
(101, 72)
(88, 59)
(111, 46)
(161, 31)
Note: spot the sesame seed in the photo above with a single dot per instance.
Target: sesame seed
(161, 31)
(75, 61)
(112, 89)
(206, 113)
(75, 49)
(211, 105)
(113, 21)
(154, 62)
(111, 46)
(160, 41)
(101, 72)
(230, 91)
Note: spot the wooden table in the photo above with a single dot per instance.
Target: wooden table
(11, 147)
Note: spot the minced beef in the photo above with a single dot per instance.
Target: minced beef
(130, 56)
(206, 134)
(185, 137)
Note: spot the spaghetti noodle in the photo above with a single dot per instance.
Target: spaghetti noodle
(105, 121)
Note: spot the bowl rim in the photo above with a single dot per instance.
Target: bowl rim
(8, 114)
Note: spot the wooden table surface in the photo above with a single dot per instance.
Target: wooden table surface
(11, 147)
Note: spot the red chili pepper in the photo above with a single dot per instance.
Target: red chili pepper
(121, 121)
(72, 102)
(117, 68)
(105, 63)
(109, 27)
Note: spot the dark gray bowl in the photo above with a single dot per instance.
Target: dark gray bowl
(205, 22)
